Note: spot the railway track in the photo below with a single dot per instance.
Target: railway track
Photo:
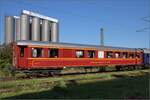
(4, 79)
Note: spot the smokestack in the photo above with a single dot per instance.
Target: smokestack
(102, 37)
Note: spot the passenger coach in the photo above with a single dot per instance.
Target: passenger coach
(29, 55)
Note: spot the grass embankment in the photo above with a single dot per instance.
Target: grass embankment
(130, 84)
(5, 61)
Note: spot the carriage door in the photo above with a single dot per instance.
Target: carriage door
(23, 56)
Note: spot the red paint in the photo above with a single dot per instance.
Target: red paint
(66, 58)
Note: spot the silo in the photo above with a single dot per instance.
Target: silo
(35, 34)
(9, 29)
(55, 32)
(45, 30)
(24, 27)
(17, 28)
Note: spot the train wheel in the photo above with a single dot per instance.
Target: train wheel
(118, 68)
(134, 67)
(13, 71)
(52, 74)
(138, 67)
(86, 70)
(122, 68)
(28, 75)
(130, 68)
(144, 66)
(55, 73)
(126, 67)
(102, 69)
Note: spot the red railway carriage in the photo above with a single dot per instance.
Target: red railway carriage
(47, 55)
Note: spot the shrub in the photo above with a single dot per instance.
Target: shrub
(5, 59)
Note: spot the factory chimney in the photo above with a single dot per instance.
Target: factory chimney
(101, 37)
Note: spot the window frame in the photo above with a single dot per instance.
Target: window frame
(21, 52)
(137, 55)
(92, 52)
(37, 52)
(53, 55)
(131, 53)
(119, 54)
(107, 52)
(79, 51)
(126, 55)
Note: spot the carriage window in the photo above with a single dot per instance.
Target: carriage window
(91, 54)
(147, 55)
(131, 55)
(137, 55)
(125, 54)
(37, 52)
(53, 53)
(109, 54)
(79, 54)
(21, 51)
(117, 55)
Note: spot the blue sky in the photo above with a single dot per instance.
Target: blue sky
(81, 20)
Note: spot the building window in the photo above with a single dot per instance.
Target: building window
(109, 54)
(131, 55)
(37, 52)
(21, 51)
(91, 54)
(79, 53)
(53, 53)
(137, 55)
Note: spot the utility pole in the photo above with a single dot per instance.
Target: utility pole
(101, 37)
(147, 19)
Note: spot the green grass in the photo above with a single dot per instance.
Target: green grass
(120, 85)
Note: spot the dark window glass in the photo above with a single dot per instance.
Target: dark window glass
(91, 54)
(53, 53)
(79, 53)
(125, 54)
(137, 55)
(131, 55)
(37, 52)
(109, 54)
(147, 55)
(21, 51)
